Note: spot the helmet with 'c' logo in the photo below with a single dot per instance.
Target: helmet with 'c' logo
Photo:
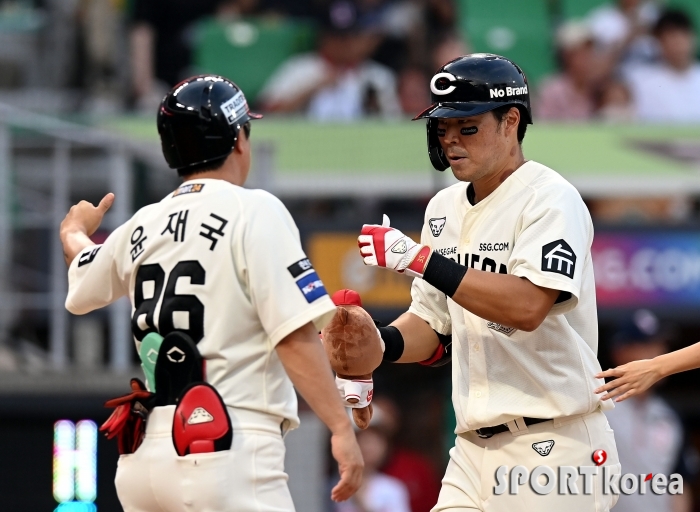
(472, 85)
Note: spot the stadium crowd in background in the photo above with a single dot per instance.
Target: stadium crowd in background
(124, 55)
(614, 60)
(624, 64)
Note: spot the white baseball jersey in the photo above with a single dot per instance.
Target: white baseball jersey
(223, 264)
(534, 225)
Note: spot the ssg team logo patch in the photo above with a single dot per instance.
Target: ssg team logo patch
(543, 447)
(190, 188)
(436, 225)
(559, 257)
(312, 287)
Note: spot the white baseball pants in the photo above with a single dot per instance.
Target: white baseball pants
(249, 477)
(470, 478)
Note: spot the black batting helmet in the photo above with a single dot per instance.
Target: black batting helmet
(199, 120)
(472, 85)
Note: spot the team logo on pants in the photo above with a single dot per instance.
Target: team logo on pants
(543, 447)
(559, 257)
(436, 225)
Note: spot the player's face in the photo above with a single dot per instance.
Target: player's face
(474, 146)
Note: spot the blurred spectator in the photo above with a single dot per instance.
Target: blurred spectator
(414, 89)
(670, 90)
(399, 23)
(412, 468)
(649, 435)
(570, 95)
(623, 28)
(414, 93)
(103, 75)
(440, 16)
(160, 53)
(338, 82)
(379, 492)
(615, 103)
(447, 48)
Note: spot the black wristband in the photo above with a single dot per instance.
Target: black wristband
(393, 343)
(444, 274)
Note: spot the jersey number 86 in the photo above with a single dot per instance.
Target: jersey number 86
(171, 302)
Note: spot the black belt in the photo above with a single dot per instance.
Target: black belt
(487, 432)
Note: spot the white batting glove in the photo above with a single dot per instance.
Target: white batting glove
(384, 246)
(355, 393)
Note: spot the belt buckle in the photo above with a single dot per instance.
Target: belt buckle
(483, 434)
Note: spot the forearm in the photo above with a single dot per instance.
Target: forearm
(502, 298)
(505, 299)
(74, 242)
(419, 339)
(682, 360)
(308, 368)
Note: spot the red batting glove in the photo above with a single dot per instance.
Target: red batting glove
(384, 246)
(127, 422)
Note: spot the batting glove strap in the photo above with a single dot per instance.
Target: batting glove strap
(384, 246)
(356, 394)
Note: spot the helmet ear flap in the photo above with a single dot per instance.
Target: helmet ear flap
(435, 152)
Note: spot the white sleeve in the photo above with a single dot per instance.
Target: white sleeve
(553, 243)
(93, 278)
(427, 302)
(283, 285)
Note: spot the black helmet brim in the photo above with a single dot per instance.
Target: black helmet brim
(456, 110)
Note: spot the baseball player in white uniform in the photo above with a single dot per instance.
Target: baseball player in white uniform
(224, 266)
(504, 289)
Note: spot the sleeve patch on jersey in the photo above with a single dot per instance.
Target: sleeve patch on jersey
(312, 287)
(559, 257)
(188, 188)
(436, 225)
(88, 257)
(301, 266)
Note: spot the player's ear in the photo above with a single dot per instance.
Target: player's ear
(512, 121)
(242, 143)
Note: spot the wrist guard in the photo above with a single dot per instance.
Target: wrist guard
(444, 274)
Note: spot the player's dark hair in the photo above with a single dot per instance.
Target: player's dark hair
(500, 114)
(211, 165)
(673, 19)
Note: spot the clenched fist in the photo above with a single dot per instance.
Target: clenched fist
(384, 246)
(82, 221)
